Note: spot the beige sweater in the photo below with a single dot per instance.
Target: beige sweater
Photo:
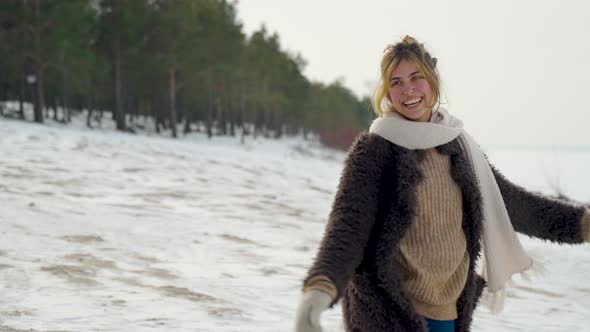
(433, 252)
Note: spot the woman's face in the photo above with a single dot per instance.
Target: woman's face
(409, 92)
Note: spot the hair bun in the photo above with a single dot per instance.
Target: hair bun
(409, 40)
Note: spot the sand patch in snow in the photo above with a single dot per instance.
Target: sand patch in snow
(238, 239)
(225, 312)
(82, 238)
(158, 273)
(172, 291)
(91, 261)
(84, 272)
(73, 274)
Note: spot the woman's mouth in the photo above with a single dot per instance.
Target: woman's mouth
(413, 102)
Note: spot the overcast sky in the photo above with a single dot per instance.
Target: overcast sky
(516, 72)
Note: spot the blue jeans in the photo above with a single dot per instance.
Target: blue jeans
(440, 325)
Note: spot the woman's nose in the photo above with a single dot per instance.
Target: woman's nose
(409, 89)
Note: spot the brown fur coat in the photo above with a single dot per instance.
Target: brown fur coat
(374, 206)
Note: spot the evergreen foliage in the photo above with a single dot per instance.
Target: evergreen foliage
(165, 63)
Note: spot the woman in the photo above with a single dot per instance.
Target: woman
(416, 207)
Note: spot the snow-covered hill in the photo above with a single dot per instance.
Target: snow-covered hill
(103, 231)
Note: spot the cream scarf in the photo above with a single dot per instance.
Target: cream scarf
(504, 256)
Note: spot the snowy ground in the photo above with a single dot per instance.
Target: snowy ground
(103, 231)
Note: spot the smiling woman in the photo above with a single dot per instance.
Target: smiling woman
(413, 87)
(417, 205)
(409, 93)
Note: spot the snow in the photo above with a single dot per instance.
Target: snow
(107, 231)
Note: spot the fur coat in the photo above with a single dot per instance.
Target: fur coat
(372, 209)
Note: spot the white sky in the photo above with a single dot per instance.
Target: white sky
(517, 72)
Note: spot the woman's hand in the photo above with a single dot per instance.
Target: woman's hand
(313, 303)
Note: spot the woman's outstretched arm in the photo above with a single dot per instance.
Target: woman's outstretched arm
(353, 213)
(544, 217)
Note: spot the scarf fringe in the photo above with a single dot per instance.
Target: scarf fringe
(494, 300)
(537, 268)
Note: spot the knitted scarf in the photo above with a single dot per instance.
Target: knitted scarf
(504, 256)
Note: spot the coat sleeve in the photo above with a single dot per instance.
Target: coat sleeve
(353, 213)
(539, 216)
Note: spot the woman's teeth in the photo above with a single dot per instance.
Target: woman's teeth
(412, 102)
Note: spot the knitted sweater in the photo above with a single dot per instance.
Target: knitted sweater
(433, 252)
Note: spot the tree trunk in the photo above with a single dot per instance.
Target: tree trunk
(21, 99)
(157, 117)
(209, 117)
(172, 87)
(67, 115)
(64, 95)
(266, 123)
(89, 119)
(99, 118)
(149, 114)
(119, 114)
(90, 109)
(187, 123)
(256, 129)
(222, 121)
(278, 129)
(54, 107)
(40, 101)
(242, 116)
(46, 109)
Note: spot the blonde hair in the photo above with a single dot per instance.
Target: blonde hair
(408, 49)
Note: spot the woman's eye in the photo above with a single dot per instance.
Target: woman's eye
(395, 83)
